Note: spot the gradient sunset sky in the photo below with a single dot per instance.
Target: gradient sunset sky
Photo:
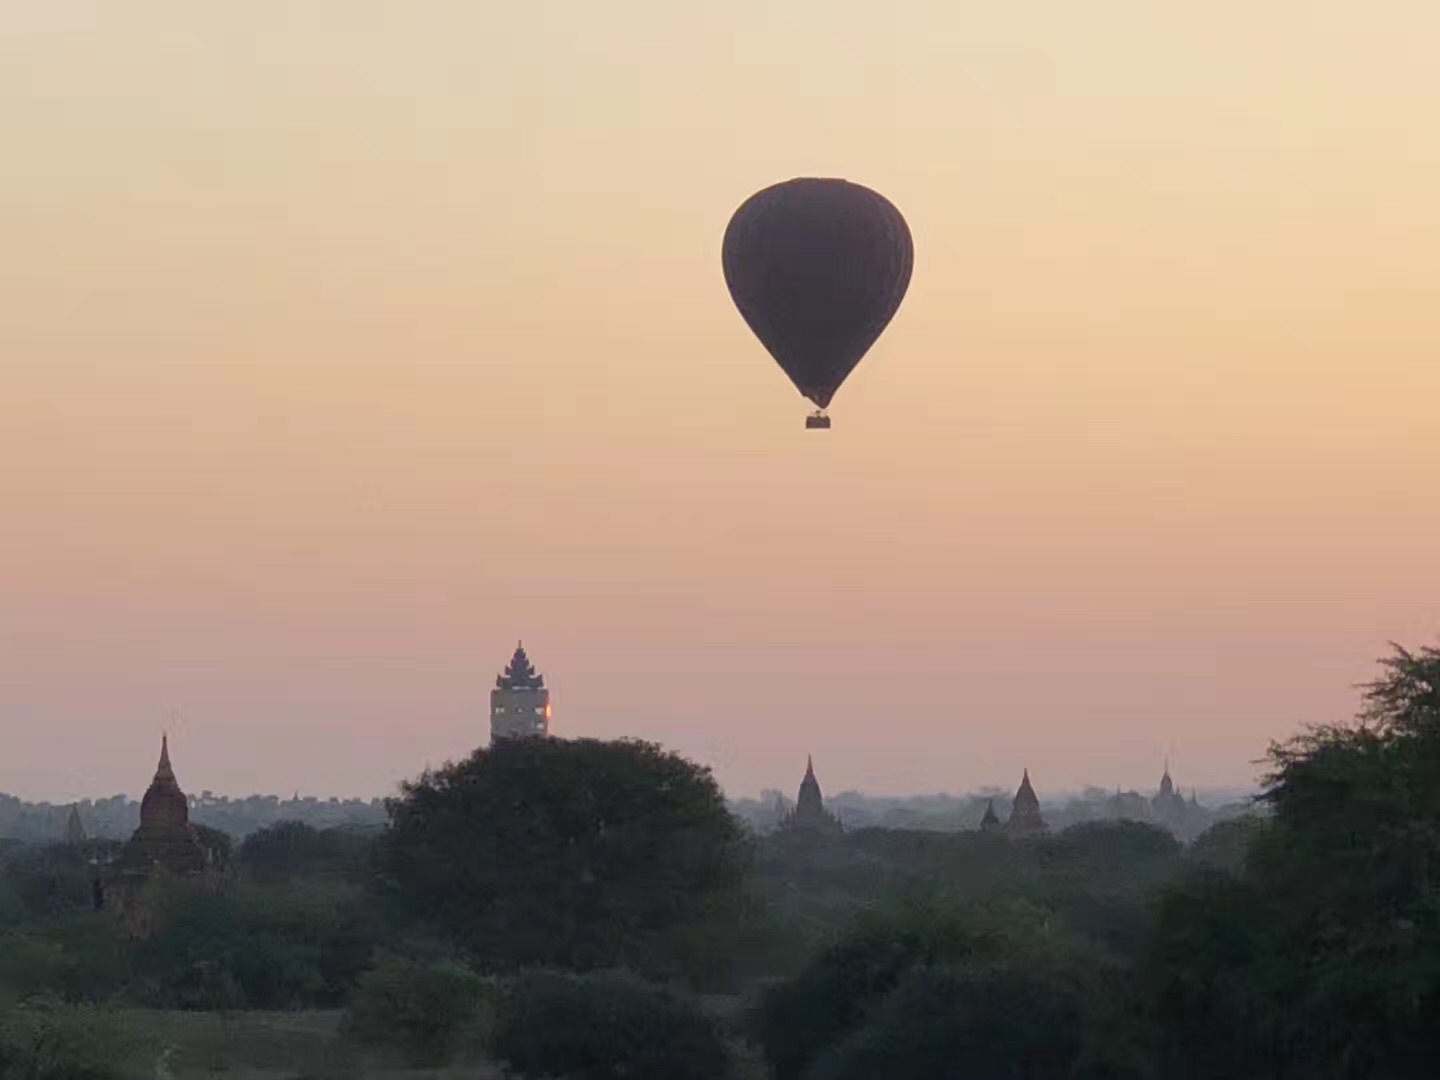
(342, 343)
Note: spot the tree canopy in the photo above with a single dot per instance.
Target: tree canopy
(1318, 954)
(575, 852)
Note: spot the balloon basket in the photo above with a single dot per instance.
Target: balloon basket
(817, 422)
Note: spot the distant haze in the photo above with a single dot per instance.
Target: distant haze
(341, 344)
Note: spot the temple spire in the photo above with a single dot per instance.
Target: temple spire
(1167, 785)
(74, 829)
(163, 772)
(810, 812)
(991, 820)
(1025, 815)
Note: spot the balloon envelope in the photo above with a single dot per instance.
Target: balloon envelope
(818, 269)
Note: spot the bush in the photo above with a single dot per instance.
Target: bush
(978, 1019)
(419, 1009)
(604, 1027)
(289, 850)
(52, 880)
(985, 991)
(280, 947)
(77, 958)
(43, 1040)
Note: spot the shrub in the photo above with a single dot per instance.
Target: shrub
(77, 958)
(289, 850)
(603, 1027)
(419, 1009)
(43, 1040)
(276, 947)
(984, 991)
(973, 1019)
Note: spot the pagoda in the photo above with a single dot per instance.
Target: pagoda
(519, 704)
(164, 844)
(990, 822)
(810, 814)
(1025, 819)
(1168, 806)
(74, 827)
(165, 837)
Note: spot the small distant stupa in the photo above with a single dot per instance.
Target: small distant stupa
(991, 821)
(1025, 819)
(810, 814)
(74, 827)
(1168, 805)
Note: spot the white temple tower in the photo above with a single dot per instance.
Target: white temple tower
(519, 704)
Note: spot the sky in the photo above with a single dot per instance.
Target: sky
(344, 343)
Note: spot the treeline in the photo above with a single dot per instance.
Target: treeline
(115, 818)
(593, 910)
(960, 813)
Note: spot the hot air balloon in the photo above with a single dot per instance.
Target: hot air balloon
(818, 269)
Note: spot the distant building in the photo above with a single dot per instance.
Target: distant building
(1184, 819)
(519, 704)
(810, 814)
(1025, 819)
(990, 822)
(74, 827)
(1168, 805)
(1128, 806)
(164, 844)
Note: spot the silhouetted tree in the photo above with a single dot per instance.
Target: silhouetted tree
(1322, 958)
(578, 853)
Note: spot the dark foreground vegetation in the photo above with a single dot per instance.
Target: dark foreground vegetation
(591, 910)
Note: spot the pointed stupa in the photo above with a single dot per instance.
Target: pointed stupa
(1168, 805)
(809, 800)
(1167, 786)
(1025, 816)
(74, 827)
(165, 836)
(164, 806)
(810, 812)
(991, 821)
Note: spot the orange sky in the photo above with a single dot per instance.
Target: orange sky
(344, 342)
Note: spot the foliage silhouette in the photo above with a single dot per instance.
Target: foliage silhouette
(607, 1026)
(580, 853)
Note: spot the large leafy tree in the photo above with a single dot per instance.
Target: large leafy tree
(1320, 957)
(577, 853)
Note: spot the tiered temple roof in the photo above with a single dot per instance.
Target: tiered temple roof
(1025, 816)
(520, 673)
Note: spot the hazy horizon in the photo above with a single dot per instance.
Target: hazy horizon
(345, 344)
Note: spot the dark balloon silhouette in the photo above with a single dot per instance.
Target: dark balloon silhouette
(818, 269)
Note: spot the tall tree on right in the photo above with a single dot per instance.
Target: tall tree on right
(1321, 957)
